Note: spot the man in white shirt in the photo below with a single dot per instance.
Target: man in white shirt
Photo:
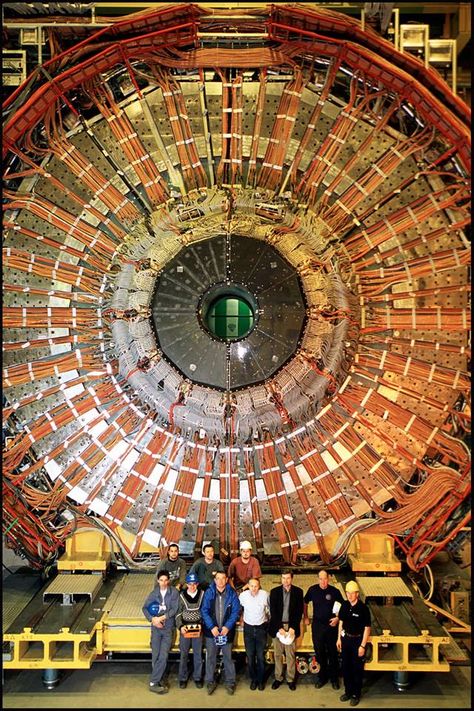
(254, 602)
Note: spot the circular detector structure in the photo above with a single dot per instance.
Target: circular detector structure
(132, 163)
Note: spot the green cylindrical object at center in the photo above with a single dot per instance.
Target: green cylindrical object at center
(230, 318)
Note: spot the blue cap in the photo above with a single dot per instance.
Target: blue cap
(192, 578)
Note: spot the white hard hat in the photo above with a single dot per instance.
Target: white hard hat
(246, 546)
(287, 637)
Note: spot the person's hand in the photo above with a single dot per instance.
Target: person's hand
(338, 645)
(282, 631)
(333, 621)
(361, 651)
(215, 631)
(184, 629)
(306, 620)
(225, 631)
(156, 622)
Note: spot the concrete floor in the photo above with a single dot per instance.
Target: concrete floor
(119, 684)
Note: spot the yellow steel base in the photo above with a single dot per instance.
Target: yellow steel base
(389, 652)
(62, 650)
(122, 628)
(86, 550)
(373, 552)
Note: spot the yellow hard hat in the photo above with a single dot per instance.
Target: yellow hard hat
(352, 586)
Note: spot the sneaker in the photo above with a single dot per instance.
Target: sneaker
(211, 688)
(253, 685)
(230, 689)
(354, 701)
(276, 684)
(158, 688)
(183, 684)
(198, 684)
(344, 697)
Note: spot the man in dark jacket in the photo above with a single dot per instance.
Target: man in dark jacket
(207, 566)
(175, 566)
(286, 610)
(326, 601)
(220, 613)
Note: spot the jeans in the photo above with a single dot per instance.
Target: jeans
(185, 644)
(161, 642)
(325, 650)
(255, 640)
(211, 659)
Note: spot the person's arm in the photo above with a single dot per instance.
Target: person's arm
(208, 620)
(257, 571)
(339, 630)
(338, 598)
(298, 610)
(363, 644)
(241, 618)
(151, 598)
(179, 614)
(305, 613)
(195, 568)
(173, 605)
(276, 608)
(155, 620)
(267, 606)
(234, 614)
(231, 573)
(182, 573)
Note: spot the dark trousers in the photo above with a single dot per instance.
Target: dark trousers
(185, 644)
(211, 660)
(325, 651)
(352, 665)
(255, 641)
(161, 641)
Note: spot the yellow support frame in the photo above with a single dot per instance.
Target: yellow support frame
(40, 651)
(47, 651)
(86, 550)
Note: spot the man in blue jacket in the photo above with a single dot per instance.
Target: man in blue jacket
(160, 609)
(220, 612)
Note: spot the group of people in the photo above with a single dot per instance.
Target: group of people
(207, 604)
